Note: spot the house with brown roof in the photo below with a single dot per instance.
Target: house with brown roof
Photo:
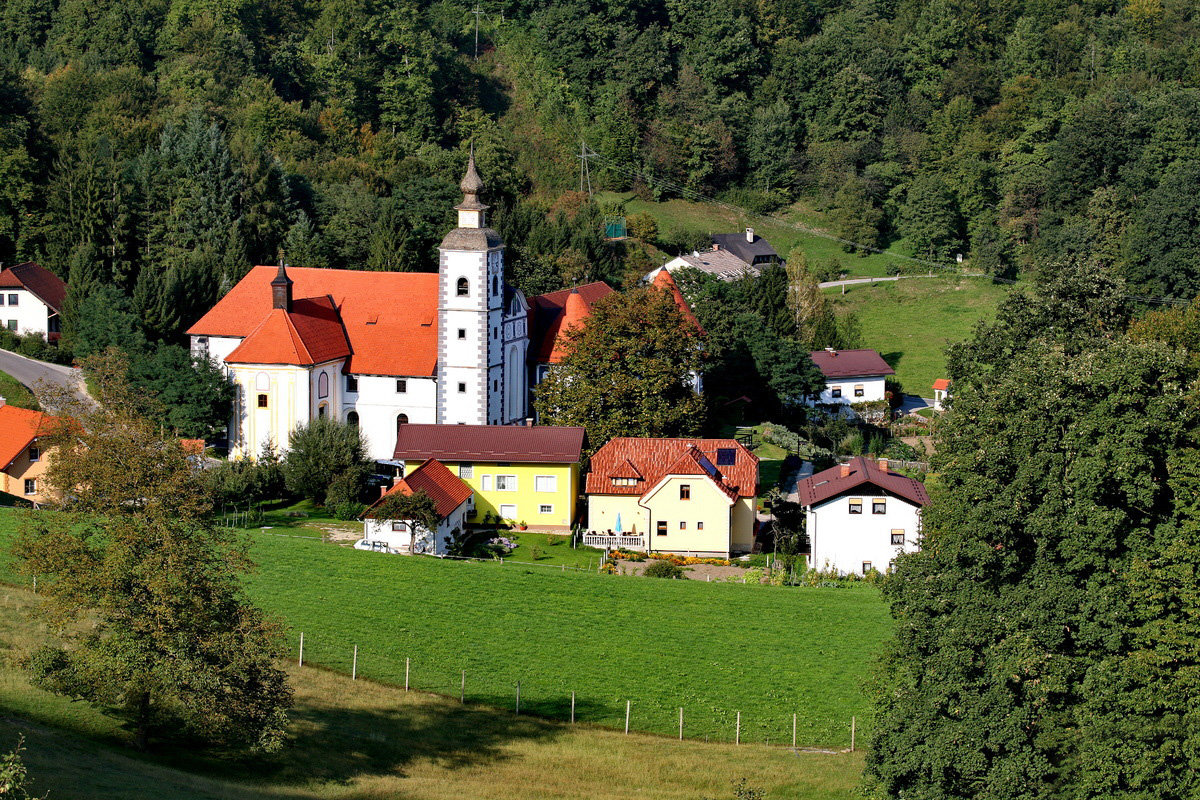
(452, 500)
(687, 496)
(519, 474)
(22, 457)
(375, 349)
(721, 264)
(31, 298)
(851, 376)
(861, 515)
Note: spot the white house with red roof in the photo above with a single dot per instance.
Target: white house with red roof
(376, 349)
(31, 298)
(861, 515)
(452, 501)
(687, 496)
(851, 376)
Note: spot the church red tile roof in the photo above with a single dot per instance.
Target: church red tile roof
(19, 427)
(544, 444)
(851, 363)
(846, 478)
(548, 311)
(44, 284)
(575, 311)
(663, 280)
(389, 319)
(650, 460)
(432, 477)
(311, 333)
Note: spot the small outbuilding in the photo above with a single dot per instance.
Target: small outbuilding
(453, 501)
(941, 393)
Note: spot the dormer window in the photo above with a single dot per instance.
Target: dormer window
(464, 287)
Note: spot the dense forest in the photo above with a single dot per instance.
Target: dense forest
(150, 152)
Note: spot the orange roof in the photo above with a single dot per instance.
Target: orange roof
(193, 447)
(18, 429)
(663, 280)
(575, 311)
(311, 333)
(389, 318)
(650, 460)
(548, 311)
(942, 383)
(432, 477)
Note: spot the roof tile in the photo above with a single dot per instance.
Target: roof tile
(543, 444)
(851, 363)
(653, 459)
(831, 483)
(432, 477)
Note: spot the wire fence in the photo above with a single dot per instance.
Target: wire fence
(518, 693)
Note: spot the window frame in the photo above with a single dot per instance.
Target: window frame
(31, 486)
(859, 390)
(867, 566)
(14, 299)
(466, 470)
(351, 384)
(264, 400)
(485, 483)
(878, 505)
(685, 491)
(401, 385)
(545, 508)
(835, 392)
(462, 388)
(462, 288)
(855, 505)
(897, 533)
(537, 483)
(683, 524)
(700, 525)
(462, 334)
(399, 526)
(505, 479)
(660, 528)
(34, 453)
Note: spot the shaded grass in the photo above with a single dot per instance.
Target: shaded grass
(16, 393)
(910, 322)
(357, 739)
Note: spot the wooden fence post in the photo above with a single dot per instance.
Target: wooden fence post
(301, 664)
(354, 667)
(518, 697)
(852, 731)
(572, 708)
(681, 723)
(793, 731)
(462, 691)
(406, 674)
(737, 736)
(626, 717)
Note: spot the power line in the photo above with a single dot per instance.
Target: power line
(691, 194)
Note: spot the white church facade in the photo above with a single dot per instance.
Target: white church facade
(376, 349)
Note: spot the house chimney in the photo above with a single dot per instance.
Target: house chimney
(2, 401)
(715, 247)
(883, 464)
(383, 490)
(831, 351)
(281, 289)
(750, 235)
(844, 471)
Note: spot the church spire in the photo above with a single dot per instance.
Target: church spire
(470, 210)
(281, 289)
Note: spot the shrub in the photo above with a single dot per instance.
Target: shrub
(663, 569)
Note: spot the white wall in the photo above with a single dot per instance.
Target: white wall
(873, 389)
(288, 401)
(378, 404)
(217, 348)
(30, 314)
(842, 541)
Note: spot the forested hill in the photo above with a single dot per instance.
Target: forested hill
(158, 148)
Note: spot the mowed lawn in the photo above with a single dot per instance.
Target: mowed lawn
(911, 321)
(714, 649)
(350, 740)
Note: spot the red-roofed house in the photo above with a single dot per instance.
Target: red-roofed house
(860, 516)
(22, 461)
(852, 376)
(376, 349)
(31, 298)
(941, 393)
(452, 499)
(688, 496)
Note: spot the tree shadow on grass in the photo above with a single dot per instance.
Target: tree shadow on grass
(893, 359)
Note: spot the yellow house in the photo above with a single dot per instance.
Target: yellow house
(519, 474)
(21, 457)
(687, 496)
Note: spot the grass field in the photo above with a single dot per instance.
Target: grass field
(911, 321)
(351, 740)
(713, 648)
(683, 215)
(16, 393)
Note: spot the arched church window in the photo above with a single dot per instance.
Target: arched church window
(262, 382)
(352, 419)
(495, 285)
(323, 385)
(464, 287)
(401, 420)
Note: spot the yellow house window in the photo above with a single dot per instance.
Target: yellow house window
(685, 491)
(699, 526)
(661, 527)
(506, 483)
(546, 483)
(624, 481)
(30, 486)
(682, 525)
(466, 471)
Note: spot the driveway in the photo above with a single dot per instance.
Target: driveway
(912, 403)
(31, 372)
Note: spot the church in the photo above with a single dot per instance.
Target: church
(375, 349)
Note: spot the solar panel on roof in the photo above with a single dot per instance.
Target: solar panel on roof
(708, 467)
(726, 456)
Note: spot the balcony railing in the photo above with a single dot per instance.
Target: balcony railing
(612, 540)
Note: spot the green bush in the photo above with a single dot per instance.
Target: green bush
(663, 569)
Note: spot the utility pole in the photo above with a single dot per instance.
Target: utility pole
(585, 169)
(476, 12)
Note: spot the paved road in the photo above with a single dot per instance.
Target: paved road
(30, 372)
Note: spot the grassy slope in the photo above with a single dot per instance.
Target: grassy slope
(362, 740)
(911, 321)
(16, 393)
(713, 648)
(706, 218)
